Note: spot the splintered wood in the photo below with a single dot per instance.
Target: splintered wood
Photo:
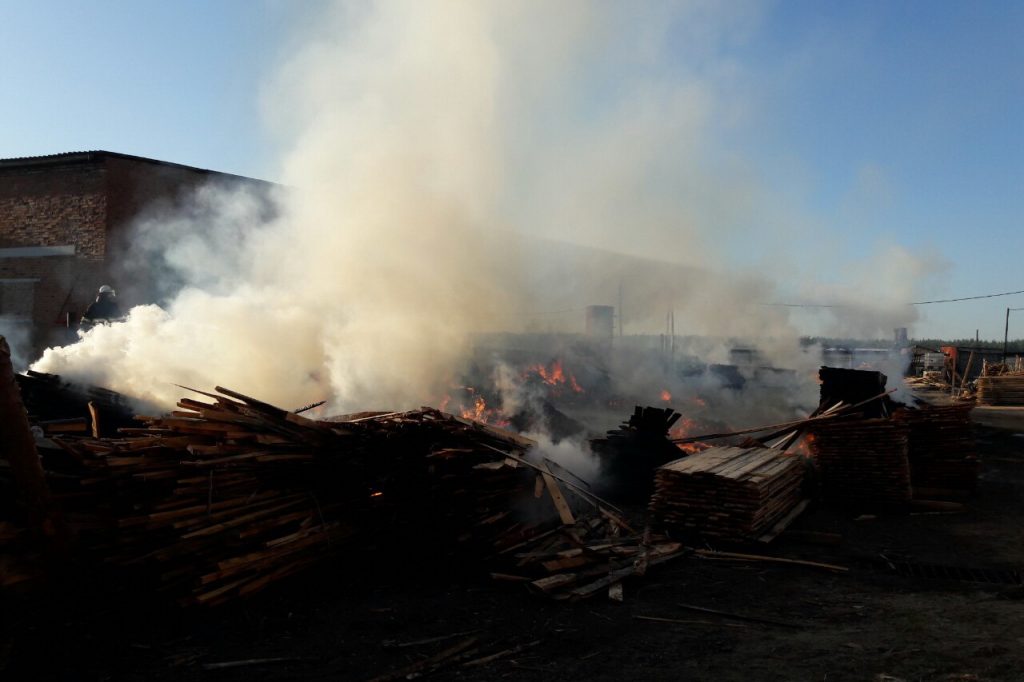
(727, 492)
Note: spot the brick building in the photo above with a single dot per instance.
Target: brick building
(65, 221)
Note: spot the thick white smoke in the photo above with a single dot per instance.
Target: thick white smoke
(431, 145)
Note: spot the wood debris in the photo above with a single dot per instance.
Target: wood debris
(228, 494)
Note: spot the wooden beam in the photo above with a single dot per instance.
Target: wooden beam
(26, 469)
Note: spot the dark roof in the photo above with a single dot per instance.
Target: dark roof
(99, 155)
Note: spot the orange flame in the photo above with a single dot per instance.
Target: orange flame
(479, 411)
(804, 446)
(683, 428)
(665, 395)
(556, 376)
(693, 448)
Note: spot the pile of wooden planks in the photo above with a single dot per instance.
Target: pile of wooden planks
(629, 454)
(1004, 389)
(727, 492)
(60, 406)
(941, 450)
(229, 494)
(863, 463)
(854, 386)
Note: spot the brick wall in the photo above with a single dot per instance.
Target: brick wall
(90, 200)
(64, 204)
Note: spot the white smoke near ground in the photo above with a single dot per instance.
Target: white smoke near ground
(431, 146)
(570, 454)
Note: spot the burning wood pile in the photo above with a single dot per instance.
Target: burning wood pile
(229, 494)
(50, 400)
(727, 492)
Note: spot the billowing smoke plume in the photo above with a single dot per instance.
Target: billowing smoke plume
(442, 157)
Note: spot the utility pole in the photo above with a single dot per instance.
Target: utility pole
(672, 325)
(1006, 332)
(620, 308)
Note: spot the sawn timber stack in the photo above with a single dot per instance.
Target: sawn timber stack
(1005, 389)
(727, 492)
(863, 463)
(941, 449)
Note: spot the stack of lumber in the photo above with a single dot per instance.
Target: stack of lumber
(229, 494)
(853, 386)
(728, 492)
(1003, 389)
(60, 406)
(863, 463)
(629, 454)
(941, 450)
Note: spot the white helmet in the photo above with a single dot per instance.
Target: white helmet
(107, 289)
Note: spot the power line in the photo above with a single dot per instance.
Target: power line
(969, 298)
(941, 300)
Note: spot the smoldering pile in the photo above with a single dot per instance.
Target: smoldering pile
(229, 494)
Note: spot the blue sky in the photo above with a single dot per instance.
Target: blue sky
(878, 122)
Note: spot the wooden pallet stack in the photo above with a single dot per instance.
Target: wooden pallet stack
(1003, 389)
(863, 463)
(728, 492)
(941, 450)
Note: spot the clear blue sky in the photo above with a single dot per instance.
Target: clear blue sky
(897, 122)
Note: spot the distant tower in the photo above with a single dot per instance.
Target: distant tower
(900, 336)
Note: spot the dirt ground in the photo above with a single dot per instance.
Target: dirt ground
(901, 612)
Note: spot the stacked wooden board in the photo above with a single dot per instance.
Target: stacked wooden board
(941, 450)
(862, 463)
(1005, 389)
(630, 454)
(727, 492)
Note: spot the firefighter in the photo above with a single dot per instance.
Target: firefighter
(103, 310)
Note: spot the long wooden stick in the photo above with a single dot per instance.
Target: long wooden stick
(20, 450)
(784, 425)
(963, 381)
(739, 616)
(586, 494)
(714, 554)
(677, 621)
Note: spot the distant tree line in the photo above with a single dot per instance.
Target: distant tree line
(1014, 346)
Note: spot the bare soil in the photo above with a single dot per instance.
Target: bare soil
(358, 623)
